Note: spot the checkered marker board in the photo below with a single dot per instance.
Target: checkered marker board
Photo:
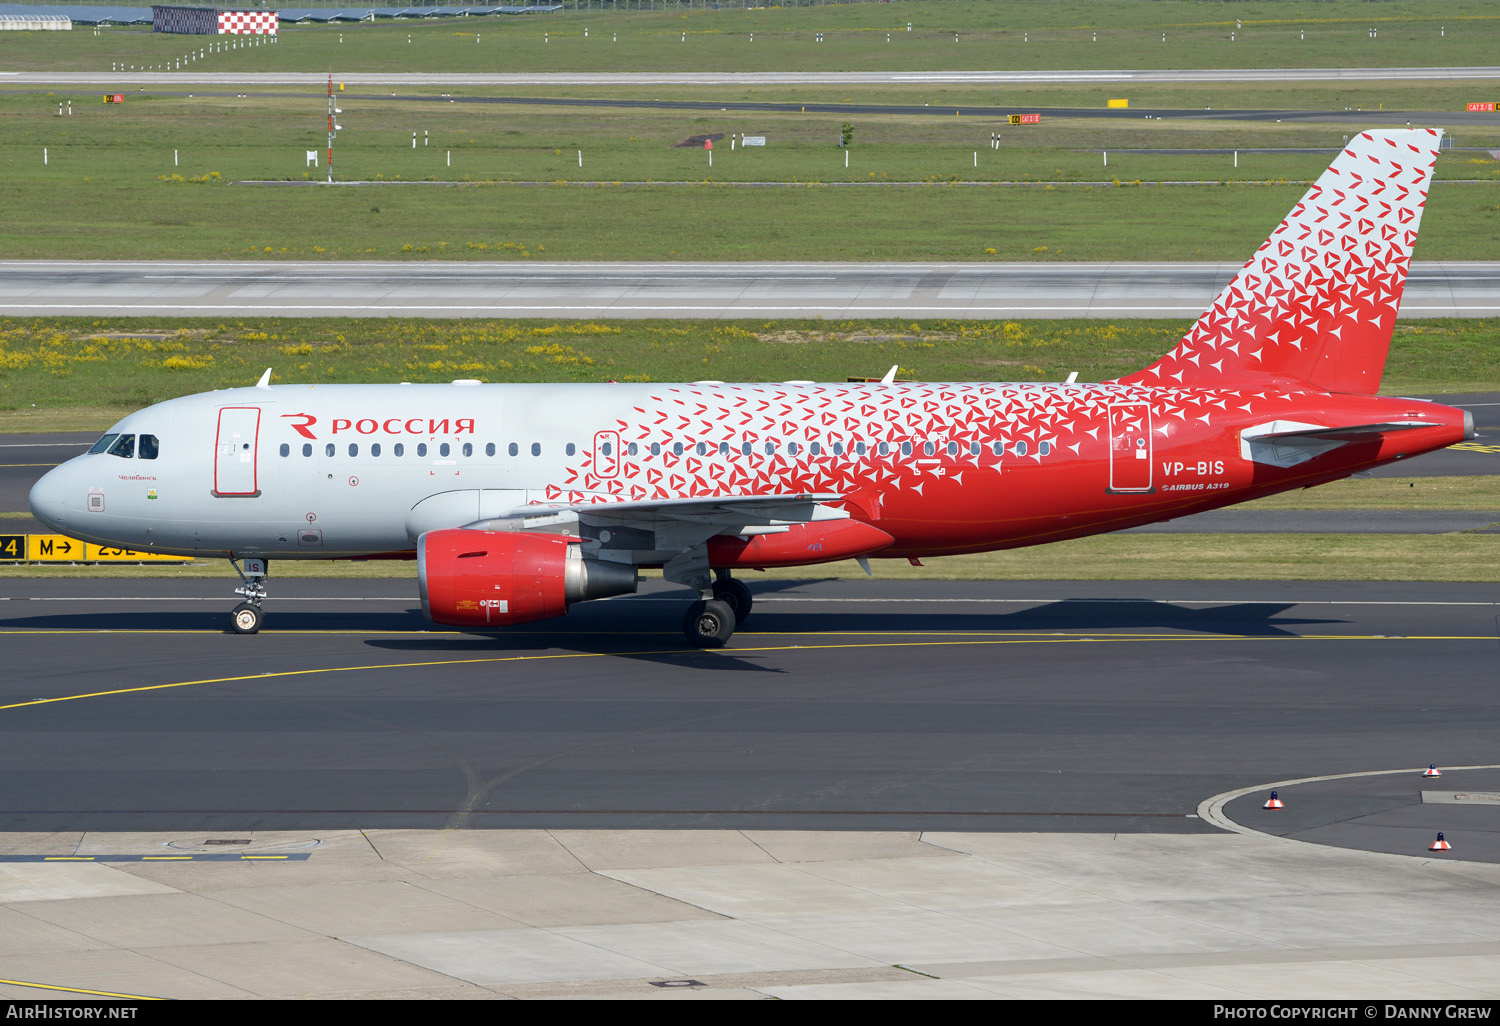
(247, 23)
(1317, 302)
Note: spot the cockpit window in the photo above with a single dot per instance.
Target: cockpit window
(103, 444)
(149, 447)
(124, 447)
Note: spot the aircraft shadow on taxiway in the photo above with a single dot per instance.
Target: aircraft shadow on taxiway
(627, 626)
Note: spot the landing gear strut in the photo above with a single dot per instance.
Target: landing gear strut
(248, 617)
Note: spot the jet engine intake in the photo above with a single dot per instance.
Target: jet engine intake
(497, 578)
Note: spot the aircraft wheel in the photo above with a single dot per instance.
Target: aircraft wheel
(247, 619)
(709, 624)
(737, 596)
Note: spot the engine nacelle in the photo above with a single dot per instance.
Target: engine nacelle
(497, 578)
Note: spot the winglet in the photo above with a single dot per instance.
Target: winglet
(265, 380)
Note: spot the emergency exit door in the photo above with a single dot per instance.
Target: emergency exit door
(235, 454)
(1130, 447)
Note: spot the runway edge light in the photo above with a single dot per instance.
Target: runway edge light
(1440, 844)
(1432, 771)
(1274, 802)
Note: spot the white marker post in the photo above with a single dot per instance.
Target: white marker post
(174, 158)
(580, 158)
(44, 156)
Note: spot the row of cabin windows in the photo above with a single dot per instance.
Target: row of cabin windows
(677, 449)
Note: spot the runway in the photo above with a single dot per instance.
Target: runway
(351, 711)
(751, 78)
(663, 290)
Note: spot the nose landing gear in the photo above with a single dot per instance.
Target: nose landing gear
(248, 617)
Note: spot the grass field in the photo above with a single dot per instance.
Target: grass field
(1016, 35)
(50, 366)
(1117, 557)
(110, 187)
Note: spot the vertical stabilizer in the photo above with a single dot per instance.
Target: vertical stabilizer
(1316, 304)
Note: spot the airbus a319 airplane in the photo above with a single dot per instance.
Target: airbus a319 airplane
(520, 500)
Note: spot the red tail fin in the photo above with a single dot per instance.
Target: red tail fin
(1316, 304)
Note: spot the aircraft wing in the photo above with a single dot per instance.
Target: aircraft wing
(722, 510)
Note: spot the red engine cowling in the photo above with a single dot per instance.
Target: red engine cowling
(497, 578)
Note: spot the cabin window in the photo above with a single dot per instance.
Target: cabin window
(468, 449)
(329, 450)
(444, 449)
(1020, 448)
(929, 449)
(536, 448)
(489, 448)
(952, 448)
(973, 448)
(884, 448)
(374, 448)
(513, 449)
(676, 448)
(702, 449)
(906, 448)
(838, 448)
(723, 448)
(814, 448)
(859, 448)
(398, 449)
(421, 448)
(656, 448)
(630, 449)
(149, 447)
(572, 449)
(353, 449)
(1044, 448)
(999, 448)
(307, 449)
(286, 450)
(770, 448)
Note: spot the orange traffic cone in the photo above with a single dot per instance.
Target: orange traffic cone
(1274, 802)
(1440, 844)
(1432, 771)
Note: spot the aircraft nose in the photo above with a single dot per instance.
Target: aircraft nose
(48, 497)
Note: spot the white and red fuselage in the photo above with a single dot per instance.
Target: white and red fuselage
(519, 499)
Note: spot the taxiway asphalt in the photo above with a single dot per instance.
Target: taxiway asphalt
(987, 706)
(660, 290)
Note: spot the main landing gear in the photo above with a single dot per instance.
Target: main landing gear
(710, 622)
(248, 617)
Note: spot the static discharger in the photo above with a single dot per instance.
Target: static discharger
(1274, 802)
(1440, 844)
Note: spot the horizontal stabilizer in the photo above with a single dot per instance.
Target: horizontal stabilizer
(1353, 433)
(1286, 443)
